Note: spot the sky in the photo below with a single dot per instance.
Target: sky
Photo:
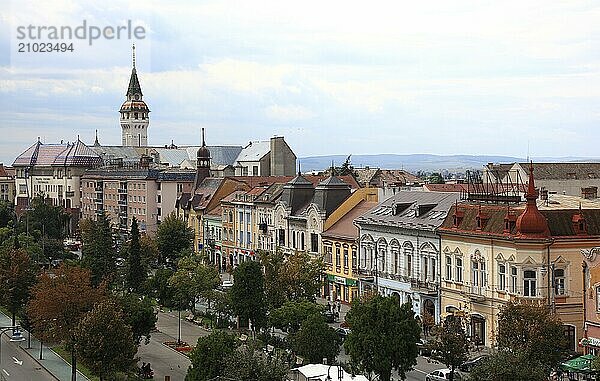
(333, 77)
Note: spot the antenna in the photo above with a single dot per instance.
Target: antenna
(203, 144)
(133, 54)
(528, 150)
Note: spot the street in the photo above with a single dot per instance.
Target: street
(18, 365)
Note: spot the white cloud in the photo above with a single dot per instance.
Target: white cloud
(288, 113)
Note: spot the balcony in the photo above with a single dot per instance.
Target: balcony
(98, 201)
(70, 194)
(476, 293)
(123, 191)
(123, 202)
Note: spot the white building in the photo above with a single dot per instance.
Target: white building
(400, 249)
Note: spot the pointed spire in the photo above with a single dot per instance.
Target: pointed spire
(96, 142)
(203, 143)
(532, 223)
(134, 83)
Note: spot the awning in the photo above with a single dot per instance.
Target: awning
(578, 364)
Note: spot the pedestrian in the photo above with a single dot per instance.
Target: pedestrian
(339, 306)
(328, 306)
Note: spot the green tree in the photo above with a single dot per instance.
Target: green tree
(383, 337)
(248, 295)
(451, 347)
(17, 276)
(105, 343)
(290, 316)
(316, 340)
(136, 270)
(160, 288)
(526, 332)
(295, 278)
(139, 315)
(6, 213)
(250, 364)
(58, 303)
(507, 366)
(46, 218)
(436, 178)
(194, 278)
(210, 356)
(173, 238)
(99, 254)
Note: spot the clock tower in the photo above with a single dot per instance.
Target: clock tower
(134, 113)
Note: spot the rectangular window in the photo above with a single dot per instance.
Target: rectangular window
(432, 270)
(255, 170)
(409, 265)
(448, 267)
(559, 281)
(248, 238)
(281, 237)
(501, 277)
(314, 242)
(337, 256)
(241, 221)
(354, 260)
(529, 283)
(241, 237)
(459, 270)
(345, 258)
(513, 279)
(328, 256)
(294, 240)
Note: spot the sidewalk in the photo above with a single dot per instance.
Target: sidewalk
(344, 308)
(52, 362)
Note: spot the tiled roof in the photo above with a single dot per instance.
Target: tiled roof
(563, 171)
(414, 210)
(6, 172)
(344, 227)
(177, 175)
(121, 173)
(560, 221)
(446, 187)
(397, 176)
(364, 176)
(75, 154)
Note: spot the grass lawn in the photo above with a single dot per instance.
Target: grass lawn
(60, 350)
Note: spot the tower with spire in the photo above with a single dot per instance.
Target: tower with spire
(202, 163)
(134, 113)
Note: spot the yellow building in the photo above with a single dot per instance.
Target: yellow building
(340, 245)
(493, 254)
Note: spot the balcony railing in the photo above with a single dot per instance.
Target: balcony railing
(70, 194)
(121, 190)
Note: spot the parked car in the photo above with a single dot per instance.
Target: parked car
(468, 365)
(423, 347)
(442, 375)
(329, 316)
(343, 332)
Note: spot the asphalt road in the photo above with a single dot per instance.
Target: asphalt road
(18, 365)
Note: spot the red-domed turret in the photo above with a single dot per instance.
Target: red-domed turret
(531, 223)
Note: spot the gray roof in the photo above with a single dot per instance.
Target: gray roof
(414, 210)
(107, 153)
(254, 151)
(563, 171)
(220, 155)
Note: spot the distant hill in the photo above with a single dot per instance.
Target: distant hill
(422, 162)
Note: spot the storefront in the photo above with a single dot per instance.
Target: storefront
(338, 287)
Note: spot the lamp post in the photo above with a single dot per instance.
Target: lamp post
(16, 337)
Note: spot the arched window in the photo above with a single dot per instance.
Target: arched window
(408, 260)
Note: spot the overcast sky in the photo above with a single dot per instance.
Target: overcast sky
(333, 77)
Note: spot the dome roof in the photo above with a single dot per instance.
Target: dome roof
(532, 223)
(203, 152)
(133, 105)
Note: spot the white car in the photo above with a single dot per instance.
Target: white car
(442, 375)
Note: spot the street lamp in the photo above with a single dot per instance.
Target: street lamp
(16, 337)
